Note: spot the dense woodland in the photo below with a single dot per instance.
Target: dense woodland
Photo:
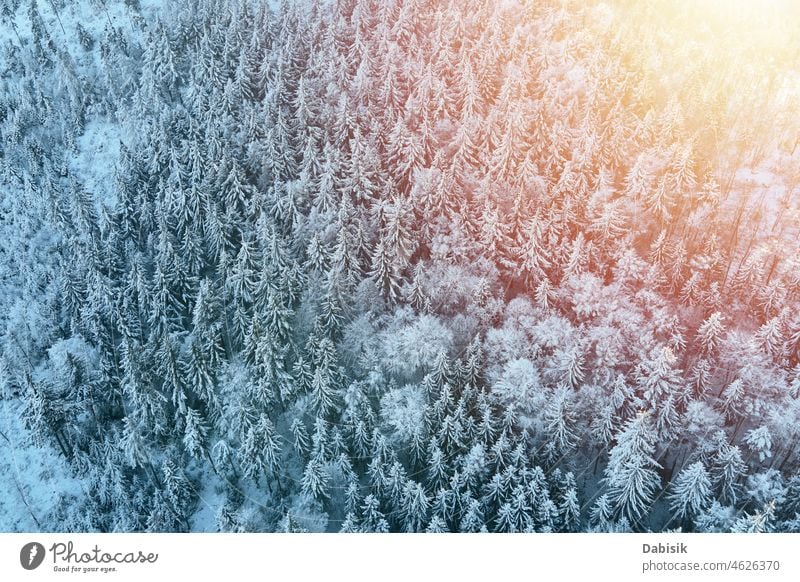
(404, 265)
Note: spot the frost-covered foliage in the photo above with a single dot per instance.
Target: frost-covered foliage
(397, 265)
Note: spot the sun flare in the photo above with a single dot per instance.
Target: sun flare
(714, 62)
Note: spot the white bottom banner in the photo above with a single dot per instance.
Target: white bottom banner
(355, 557)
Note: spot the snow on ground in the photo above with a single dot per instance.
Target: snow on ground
(767, 200)
(98, 152)
(776, 196)
(209, 501)
(33, 479)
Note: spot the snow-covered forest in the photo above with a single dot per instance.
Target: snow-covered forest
(399, 265)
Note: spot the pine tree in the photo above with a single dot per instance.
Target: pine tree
(759, 440)
(569, 511)
(559, 420)
(727, 467)
(315, 480)
(770, 337)
(415, 506)
(290, 524)
(322, 392)
(436, 525)
(178, 491)
(223, 459)
(300, 435)
(710, 333)
(733, 402)
(691, 491)
(473, 520)
(601, 513)
(373, 520)
(631, 474)
(758, 522)
(195, 434)
(657, 377)
(384, 272)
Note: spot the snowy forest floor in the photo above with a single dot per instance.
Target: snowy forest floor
(34, 480)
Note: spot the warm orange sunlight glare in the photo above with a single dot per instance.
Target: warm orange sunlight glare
(720, 62)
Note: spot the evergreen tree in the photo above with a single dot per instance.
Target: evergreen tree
(691, 491)
(631, 474)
